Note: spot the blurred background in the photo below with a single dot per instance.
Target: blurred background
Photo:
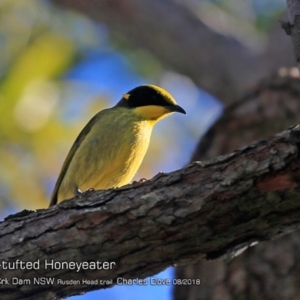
(58, 68)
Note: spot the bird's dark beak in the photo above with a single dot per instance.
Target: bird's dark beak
(176, 108)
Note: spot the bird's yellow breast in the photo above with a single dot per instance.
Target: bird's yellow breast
(110, 154)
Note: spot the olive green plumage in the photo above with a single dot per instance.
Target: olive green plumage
(110, 148)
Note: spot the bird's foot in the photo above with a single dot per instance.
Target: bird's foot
(140, 181)
(80, 194)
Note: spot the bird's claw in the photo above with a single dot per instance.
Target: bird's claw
(80, 194)
(140, 181)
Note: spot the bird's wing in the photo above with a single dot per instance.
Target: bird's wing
(70, 156)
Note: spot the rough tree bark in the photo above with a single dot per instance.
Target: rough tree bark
(208, 210)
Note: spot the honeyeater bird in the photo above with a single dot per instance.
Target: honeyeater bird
(109, 150)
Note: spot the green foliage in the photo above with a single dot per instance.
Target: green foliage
(38, 43)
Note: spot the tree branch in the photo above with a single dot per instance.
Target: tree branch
(207, 210)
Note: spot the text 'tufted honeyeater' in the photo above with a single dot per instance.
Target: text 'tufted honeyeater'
(110, 148)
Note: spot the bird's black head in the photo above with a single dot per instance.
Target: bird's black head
(150, 101)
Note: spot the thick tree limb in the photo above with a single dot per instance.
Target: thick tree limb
(207, 210)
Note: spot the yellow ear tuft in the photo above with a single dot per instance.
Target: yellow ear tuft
(126, 96)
